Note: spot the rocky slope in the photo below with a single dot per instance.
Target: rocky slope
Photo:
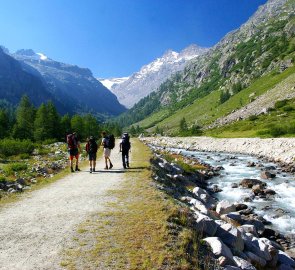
(150, 76)
(263, 45)
(72, 89)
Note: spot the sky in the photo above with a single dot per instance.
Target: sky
(115, 38)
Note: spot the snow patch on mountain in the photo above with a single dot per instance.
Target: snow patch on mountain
(112, 82)
(150, 76)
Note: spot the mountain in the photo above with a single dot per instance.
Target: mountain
(112, 82)
(16, 82)
(245, 64)
(72, 87)
(150, 76)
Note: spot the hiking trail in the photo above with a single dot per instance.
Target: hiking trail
(35, 230)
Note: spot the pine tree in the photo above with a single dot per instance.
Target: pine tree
(77, 125)
(4, 124)
(65, 126)
(24, 126)
(53, 121)
(183, 125)
(91, 126)
(40, 124)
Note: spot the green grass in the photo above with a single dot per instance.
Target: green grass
(279, 122)
(205, 110)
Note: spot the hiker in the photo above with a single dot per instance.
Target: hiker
(125, 147)
(91, 149)
(108, 143)
(73, 148)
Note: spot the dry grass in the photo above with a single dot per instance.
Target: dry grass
(141, 229)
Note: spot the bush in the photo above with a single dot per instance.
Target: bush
(253, 117)
(10, 147)
(288, 108)
(15, 167)
(280, 103)
(277, 131)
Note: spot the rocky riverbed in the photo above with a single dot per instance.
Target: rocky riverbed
(236, 234)
(280, 150)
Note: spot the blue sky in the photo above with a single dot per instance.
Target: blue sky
(115, 38)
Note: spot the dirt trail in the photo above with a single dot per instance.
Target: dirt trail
(34, 230)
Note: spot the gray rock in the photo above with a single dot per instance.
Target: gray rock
(249, 183)
(284, 258)
(267, 175)
(247, 228)
(232, 218)
(205, 224)
(229, 267)
(231, 237)
(243, 264)
(199, 206)
(285, 267)
(234, 185)
(225, 207)
(219, 248)
(254, 259)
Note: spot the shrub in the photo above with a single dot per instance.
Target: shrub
(14, 167)
(288, 108)
(277, 131)
(10, 147)
(253, 117)
(280, 103)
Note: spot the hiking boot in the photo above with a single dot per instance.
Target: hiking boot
(77, 169)
(90, 170)
(111, 166)
(93, 170)
(72, 170)
(106, 168)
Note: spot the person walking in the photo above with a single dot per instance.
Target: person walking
(125, 147)
(73, 149)
(108, 144)
(91, 149)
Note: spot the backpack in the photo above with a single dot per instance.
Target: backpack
(110, 141)
(92, 146)
(71, 141)
(125, 142)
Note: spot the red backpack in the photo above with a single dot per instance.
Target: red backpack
(72, 141)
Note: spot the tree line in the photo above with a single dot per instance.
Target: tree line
(45, 124)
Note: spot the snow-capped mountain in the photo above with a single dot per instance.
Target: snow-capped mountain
(113, 82)
(150, 76)
(72, 86)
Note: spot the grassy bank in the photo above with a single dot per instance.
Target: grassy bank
(142, 228)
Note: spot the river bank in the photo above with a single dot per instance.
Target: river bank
(281, 150)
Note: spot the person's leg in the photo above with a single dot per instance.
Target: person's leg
(123, 160)
(90, 164)
(94, 163)
(127, 158)
(106, 162)
(111, 164)
(71, 162)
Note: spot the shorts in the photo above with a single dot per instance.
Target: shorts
(106, 152)
(92, 156)
(74, 153)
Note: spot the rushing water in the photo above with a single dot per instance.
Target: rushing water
(236, 169)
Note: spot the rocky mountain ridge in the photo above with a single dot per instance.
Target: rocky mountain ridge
(71, 88)
(150, 76)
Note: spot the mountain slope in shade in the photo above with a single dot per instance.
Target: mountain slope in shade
(16, 82)
(149, 78)
(71, 85)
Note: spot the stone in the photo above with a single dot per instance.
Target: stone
(234, 185)
(247, 228)
(251, 164)
(222, 261)
(216, 189)
(225, 207)
(243, 264)
(269, 191)
(254, 259)
(259, 226)
(257, 190)
(284, 258)
(199, 206)
(285, 267)
(199, 191)
(249, 183)
(219, 248)
(229, 267)
(231, 237)
(241, 206)
(205, 224)
(232, 218)
(267, 175)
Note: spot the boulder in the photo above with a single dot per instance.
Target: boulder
(284, 258)
(241, 206)
(243, 264)
(199, 206)
(230, 236)
(249, 183)
(254, 259)
(267, 175)
(247, 228)
(229, 267)
(257, 190)
(219, 248)
(234, 185)
(205, 224)
(225, 207)
(199, 191)
(269, 191)
(285, 267)
(232, 218)
(259, 226)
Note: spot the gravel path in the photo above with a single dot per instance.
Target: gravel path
(34, 230)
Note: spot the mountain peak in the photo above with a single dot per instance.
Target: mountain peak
(25, 52)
